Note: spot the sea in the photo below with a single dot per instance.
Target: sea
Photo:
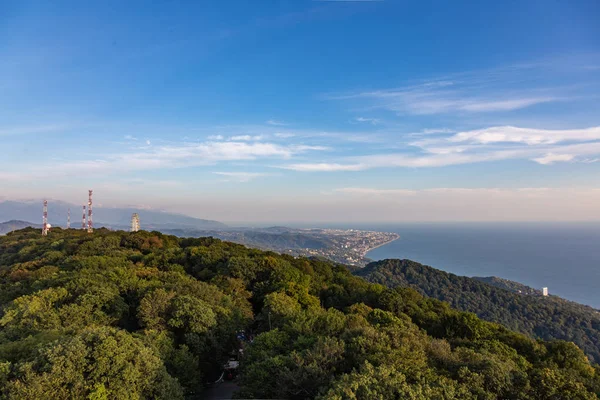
(564, 257)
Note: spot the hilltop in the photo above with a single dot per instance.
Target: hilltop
(147, 315)
(496, 300)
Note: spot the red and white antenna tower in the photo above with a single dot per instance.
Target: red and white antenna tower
(83, 218)
(69, 218)
(90, 227)
(45, 219)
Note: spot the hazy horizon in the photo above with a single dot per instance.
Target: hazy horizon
(397, 215)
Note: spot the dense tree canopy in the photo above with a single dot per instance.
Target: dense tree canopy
(145, 315)
(540, 317)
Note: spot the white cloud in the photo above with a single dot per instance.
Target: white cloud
(383, 161)
(255, 133)
(490, 144)
(302, 147)
(505, 105)
(171, 156)
(247, 138)
(324, 167)
(475, 155)
(218, 151)
(243, 176)
(512, 134)
(551, 158)
(372, 121)
(274, 122)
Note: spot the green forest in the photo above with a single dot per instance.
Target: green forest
(119, 315)
(540, 317)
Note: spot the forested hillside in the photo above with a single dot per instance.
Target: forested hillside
(144, 315)
(543, 317)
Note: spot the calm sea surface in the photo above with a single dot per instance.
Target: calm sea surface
(565, 257)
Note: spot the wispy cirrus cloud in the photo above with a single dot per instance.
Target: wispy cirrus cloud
(492, 90)
(484, 105)
(448, 97)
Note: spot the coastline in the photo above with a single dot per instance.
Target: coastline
(364, 255)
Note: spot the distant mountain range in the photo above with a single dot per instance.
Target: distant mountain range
(14, 225)
(116, 218)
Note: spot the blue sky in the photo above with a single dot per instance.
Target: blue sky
(282, 111)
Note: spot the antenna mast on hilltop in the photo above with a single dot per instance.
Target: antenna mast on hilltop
(45, 219)
(69, 218)
(83, 218)
(90, 227)
(135, 222)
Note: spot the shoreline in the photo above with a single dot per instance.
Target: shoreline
(364, 255)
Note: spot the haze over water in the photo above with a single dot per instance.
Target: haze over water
(565, 257)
